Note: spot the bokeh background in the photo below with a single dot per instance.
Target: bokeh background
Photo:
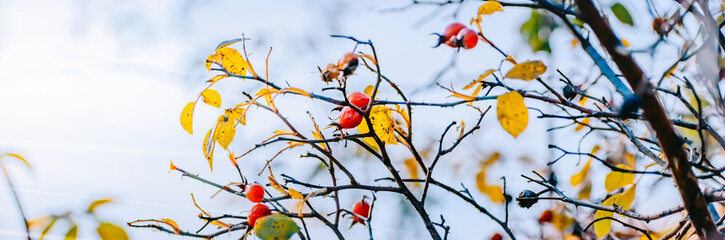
(91, 93)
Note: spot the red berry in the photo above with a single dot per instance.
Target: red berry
(361, 208)
(349, 118)
(258, 211)
(347, 63)
(255, 193)
(546, 216)
(358, 99)
(448, 36)
(497, 237)
(467, 38)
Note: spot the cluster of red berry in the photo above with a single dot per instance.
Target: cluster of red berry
(255, 193)
(456, 35)
(349, 118)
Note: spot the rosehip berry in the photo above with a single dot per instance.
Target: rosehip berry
(347, 64)
(349, 118)
(255, 193)
(361, 208)
(258, 211)
(497, 237)
(527, 198)
(546, 216)
(358, 99)
(467, 38)
(569, 93)
(448, 34)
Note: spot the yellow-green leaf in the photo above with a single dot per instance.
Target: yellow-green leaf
(616, 179)
(489, 8)
(579, 177)
(275, 227)
(527, 70)
(211, 97)
(233, 61)
(99, 202)
(187, 116)
(208, 149)
(72, 233)
(512, 113)
(224, 131)
(109, 231)
(47, 228)
(383, 126)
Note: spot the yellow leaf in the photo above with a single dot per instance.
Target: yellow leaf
(527, 70)
(579, 177)
(211, 97)
(233, 159)
(275, 227)
(266, 91)
(224, 131)
(233, 61)
(302, 203)
(216, 78)
(237, 114)
(602, 227)
(585, 191)
(489, 8)
(625, 42)
(383, 126)
(187, 117)
(561, 220)
(100, 202)
(72, 233)
(492, 159)
(295, 194)
(412, 167)
(616, 180)
(369, 90)
(465, 97)
(512, 113)
(492, 191)
(295, 144)
(108, 231)
(629, 159)
(581, 126)
(214, 58)
(275, 185)
(172, 224)
(510, 59)
(298, 91)
(595, 149)
(208, 149)
(38, 221)
(21, 158)
(479, 79)
(623, 200)
(371, 58)
(47, 228)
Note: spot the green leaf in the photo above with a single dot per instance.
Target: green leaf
(622, 14)
(108, 231)
(72, 233)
